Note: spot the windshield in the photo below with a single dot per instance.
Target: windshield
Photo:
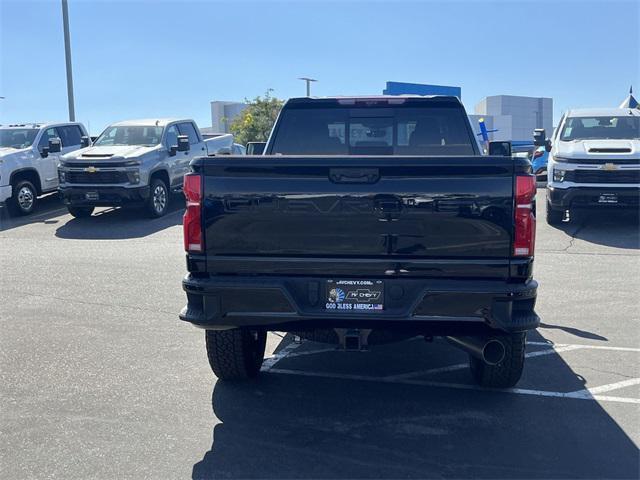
(130, 135)
(17, 137)
(436, 130)
(618, 128)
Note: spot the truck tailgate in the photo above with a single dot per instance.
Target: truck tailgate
(438, 212)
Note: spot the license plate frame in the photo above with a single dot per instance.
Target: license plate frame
(608, 198)
(354, 296)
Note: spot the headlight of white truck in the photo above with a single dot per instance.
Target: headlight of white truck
(558, 175)
(134, 176)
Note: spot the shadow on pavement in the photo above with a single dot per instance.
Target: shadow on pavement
(575, 331)
(121, 223)
(47, 210)
(613, 228)
(297, 426)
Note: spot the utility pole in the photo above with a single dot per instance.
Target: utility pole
(67, 55)
(308, 81)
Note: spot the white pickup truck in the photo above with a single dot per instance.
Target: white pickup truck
(136, 162)
(594, 161)
(29, 156)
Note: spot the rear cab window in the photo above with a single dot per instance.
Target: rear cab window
(424, 128)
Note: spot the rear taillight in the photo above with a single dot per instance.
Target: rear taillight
(191, 222)
(524, 237)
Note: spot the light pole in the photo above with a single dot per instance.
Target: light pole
(67, 56)
(308, 81)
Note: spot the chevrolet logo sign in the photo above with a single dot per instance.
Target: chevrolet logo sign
(609, 167)
(91, 169)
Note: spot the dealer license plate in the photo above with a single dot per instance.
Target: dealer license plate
(608, 198)
(355, 295)
(91, 196)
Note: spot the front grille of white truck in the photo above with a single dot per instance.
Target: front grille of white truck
(601, 176)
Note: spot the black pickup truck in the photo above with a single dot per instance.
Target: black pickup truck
(366, 220)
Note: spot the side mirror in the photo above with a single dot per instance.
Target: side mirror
(539, 136)
(501, 149)
(256, 148)
(183, 143)
(173, 149)
(55, 146)
(540, 139)
(44, 153)
(85, 141)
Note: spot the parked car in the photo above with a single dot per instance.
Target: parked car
(136, 162)
(29, 156)
(366, 220)
(594, 161)
(539, 160)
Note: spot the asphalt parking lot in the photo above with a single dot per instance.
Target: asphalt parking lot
(101, 380)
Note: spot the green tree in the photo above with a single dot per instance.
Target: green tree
(255, 122)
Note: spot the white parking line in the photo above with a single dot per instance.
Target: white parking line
(461, 366)
(613, 349)
(590, 347)
(456, 386)
(268, 363)
(608, 388)
(407, 378)
(310, 352)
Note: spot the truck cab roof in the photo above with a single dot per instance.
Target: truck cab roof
(38, 125)
(603, 112)
(389, 99)
(158, 122)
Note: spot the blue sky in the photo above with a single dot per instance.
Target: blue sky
(134, 59)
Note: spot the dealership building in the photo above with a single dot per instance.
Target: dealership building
(513, 117)
(223, 113)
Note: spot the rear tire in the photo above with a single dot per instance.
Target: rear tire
(235, 354)
(80, 212)
(23, 201)
(554, 216)
(508, 372)
(158, 202)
